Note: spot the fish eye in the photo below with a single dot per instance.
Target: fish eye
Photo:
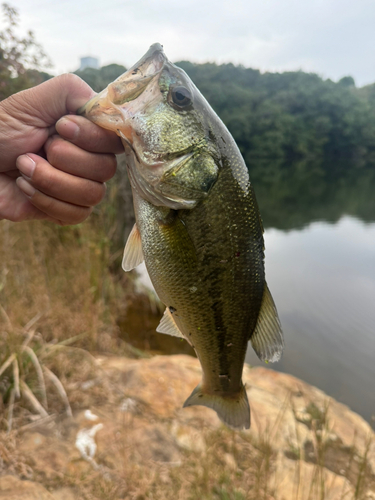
(181, 96)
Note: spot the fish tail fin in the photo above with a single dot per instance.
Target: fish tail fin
(233, 410)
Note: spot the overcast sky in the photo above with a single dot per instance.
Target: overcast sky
(333, 38)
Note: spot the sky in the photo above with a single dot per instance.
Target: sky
(333, 38)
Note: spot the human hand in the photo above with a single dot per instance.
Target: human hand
(62, 175)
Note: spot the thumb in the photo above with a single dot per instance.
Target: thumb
(43, 105)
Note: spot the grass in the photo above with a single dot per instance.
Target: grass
(58, 301)
(229, 467)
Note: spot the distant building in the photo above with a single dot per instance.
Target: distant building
(89, 62)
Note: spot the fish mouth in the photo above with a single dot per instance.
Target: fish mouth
(105, 108)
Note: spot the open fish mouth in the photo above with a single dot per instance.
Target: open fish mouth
(105, 108)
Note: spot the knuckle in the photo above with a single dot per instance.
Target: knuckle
(94, 136)
(44, 203)
(45, 181)
(112, 166)
(53, 150)
(108, 166)
(95, 193)
(69, 80)
(78, 216)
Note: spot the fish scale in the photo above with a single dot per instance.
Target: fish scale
(198, 226)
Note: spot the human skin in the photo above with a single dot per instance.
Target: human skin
(53, 163)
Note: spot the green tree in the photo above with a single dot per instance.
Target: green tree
(347, 81)
(292, 115)
(20, 57)
(98, 79)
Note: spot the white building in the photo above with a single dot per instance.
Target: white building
(89, 62)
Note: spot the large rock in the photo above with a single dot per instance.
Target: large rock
(302, 444)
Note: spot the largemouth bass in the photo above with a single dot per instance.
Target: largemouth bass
(198, 226)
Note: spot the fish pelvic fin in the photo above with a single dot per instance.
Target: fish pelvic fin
(267, 339)
(233, 411)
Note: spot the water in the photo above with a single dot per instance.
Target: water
(322, 278)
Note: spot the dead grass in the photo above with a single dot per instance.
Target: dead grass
(226, 470)
(58, 302)
(232, 466)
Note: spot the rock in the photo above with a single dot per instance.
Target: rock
(188, 438)
(64, 494)
(47, 454)
(286, 407)
(300, 440)
(12, 488)
(300, 481)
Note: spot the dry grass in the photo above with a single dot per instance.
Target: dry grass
(232, 466)
(226, 470)
(58, 302)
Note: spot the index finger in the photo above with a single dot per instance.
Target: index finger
(88, 135)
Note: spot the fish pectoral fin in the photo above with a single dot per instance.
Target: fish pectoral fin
(191, 179)
(233, 410)
(133, 253)
(168, 325)
(267, 339)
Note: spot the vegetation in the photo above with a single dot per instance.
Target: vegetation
(98, 79)
(69, 302)
(291, 115)
(21, 59)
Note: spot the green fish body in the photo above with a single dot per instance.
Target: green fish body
(198, 226)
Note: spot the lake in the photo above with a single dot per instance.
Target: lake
(322, 278)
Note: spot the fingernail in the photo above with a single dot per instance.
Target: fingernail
(25, 165)
(25, 187)
(67, 128)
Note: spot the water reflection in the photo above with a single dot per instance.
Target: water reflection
(292, 195)
(323, 281)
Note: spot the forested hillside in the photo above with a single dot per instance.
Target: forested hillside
(288, 116)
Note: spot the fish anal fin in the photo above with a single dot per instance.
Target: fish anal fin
(168, 325)
(133, 253)
(267, 339)
(233, 410)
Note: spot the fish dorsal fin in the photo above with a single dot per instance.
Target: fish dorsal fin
(168, 325)
(267, 338)
(133, 253)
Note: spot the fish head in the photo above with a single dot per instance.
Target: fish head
(163, 121)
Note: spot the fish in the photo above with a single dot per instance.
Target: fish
(198, 227)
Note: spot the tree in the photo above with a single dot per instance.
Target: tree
(20, 58)
(347, 81)
(98, 79)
